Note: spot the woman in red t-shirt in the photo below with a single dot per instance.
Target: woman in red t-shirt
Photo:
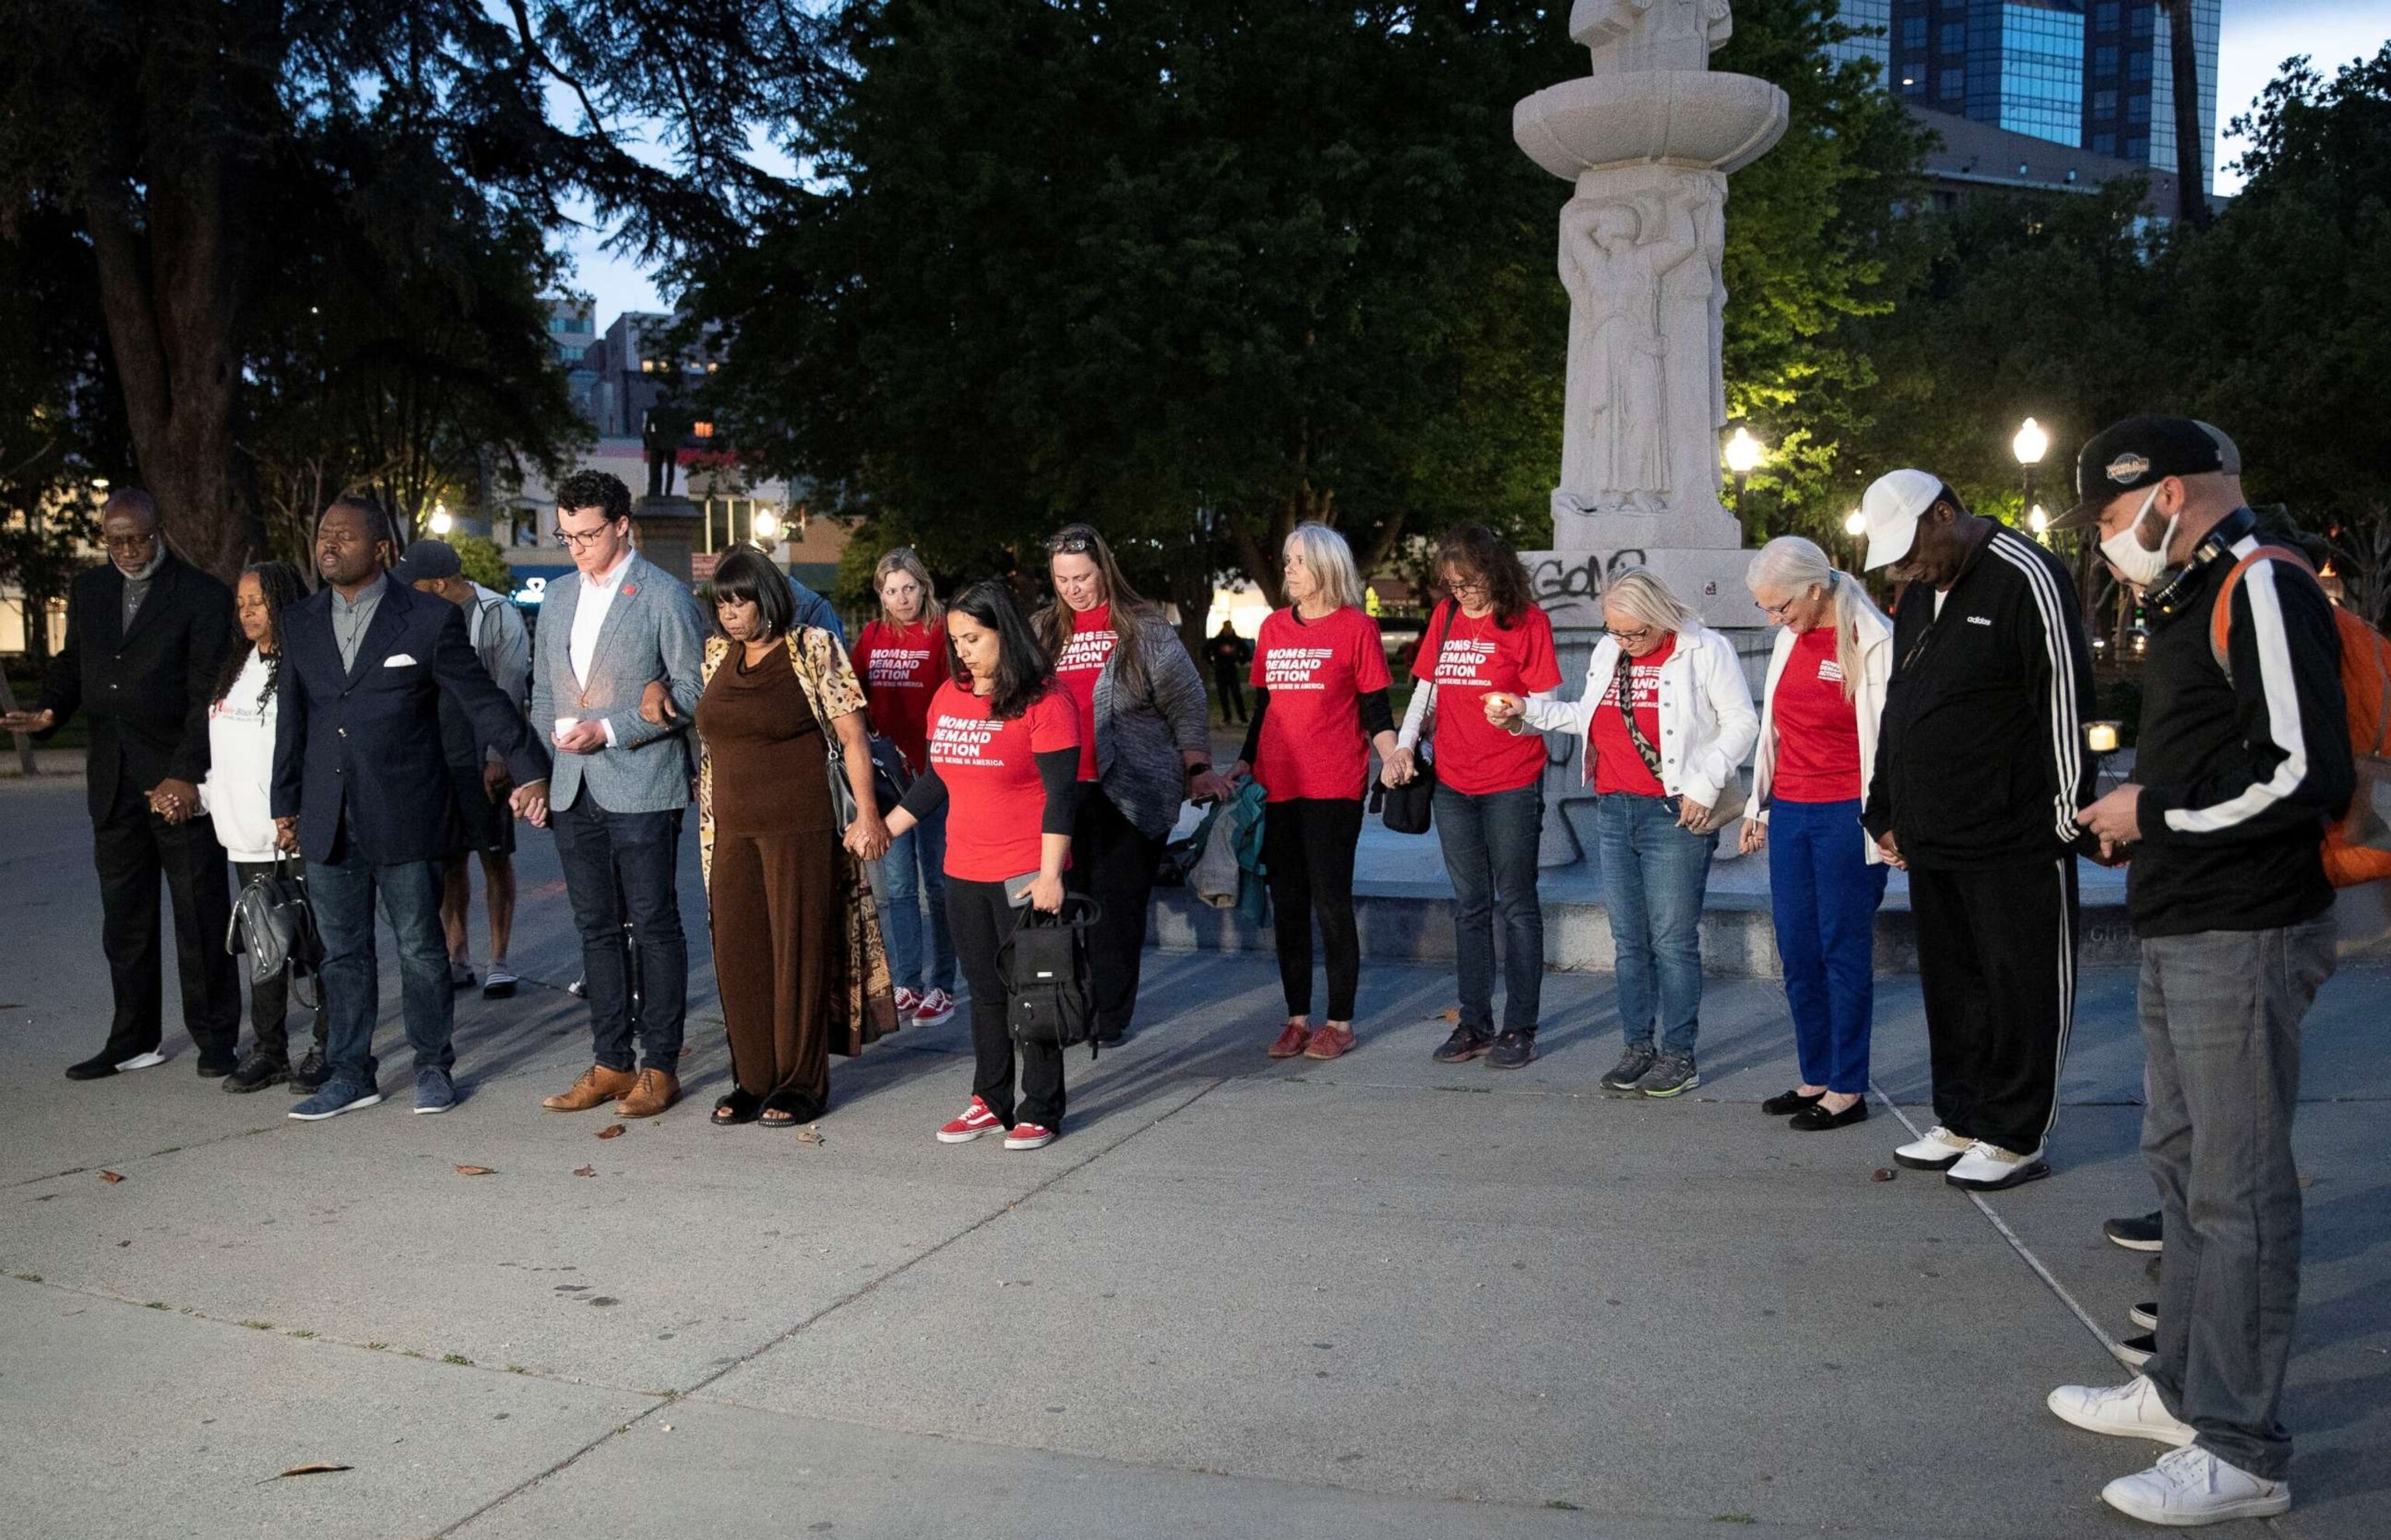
(1004, 751)
(1320, 706)
(901, 659)
(1826, 877)
(1488, 638)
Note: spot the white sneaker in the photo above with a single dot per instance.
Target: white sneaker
(1988, 1167)
(2129, 1411)
(1935, 1153)
(149, 1060)
(2193, 1486)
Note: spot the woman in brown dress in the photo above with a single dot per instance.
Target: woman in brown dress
(796, 942)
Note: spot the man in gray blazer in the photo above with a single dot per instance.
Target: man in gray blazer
(617, 795)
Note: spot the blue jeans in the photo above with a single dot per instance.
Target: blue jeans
(913, 872)
(1490, 854)
(1653, 876)
(618, 868)
(1825, 895)
(342, 893)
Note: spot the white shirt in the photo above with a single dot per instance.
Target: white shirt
(240, 765)
(597, 598)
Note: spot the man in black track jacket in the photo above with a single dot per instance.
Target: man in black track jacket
(2240, 763)
(1979, 771)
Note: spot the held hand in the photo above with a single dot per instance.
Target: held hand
(285, 835)
(1400, 768)
(583, 738)
(530, 803)
(1240, 772)
(656, 704)
(1887, 846)
(1690, 813)
(2117, 818)
(868, 836)
(1046, 893)
(1504, 710)
(1754, 835)
(174, 800)
(1209, 787)
(28, 721)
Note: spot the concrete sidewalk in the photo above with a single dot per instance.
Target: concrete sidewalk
(1376, 1297)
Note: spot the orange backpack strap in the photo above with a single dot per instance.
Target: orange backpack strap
(2220, 619)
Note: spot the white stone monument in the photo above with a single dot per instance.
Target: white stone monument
(1646, 140)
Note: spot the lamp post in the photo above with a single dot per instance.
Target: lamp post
(442, 520)
(1743, 455)
(763, 527)
(2030, 445)
(1855, 525)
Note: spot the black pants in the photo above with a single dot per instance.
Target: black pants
(981, 923)
(1113, 862)
(269, 1001)
(622, 867)
(1308, 851)
(1997, 965)
(132, 847)
(1229, 681)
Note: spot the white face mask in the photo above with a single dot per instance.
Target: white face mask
(2135, 562)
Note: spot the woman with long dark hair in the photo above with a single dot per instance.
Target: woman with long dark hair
(1146, 748)
(796, 939)
(1004, 754)
(236, 794)
(1489, 638)
(901, 659)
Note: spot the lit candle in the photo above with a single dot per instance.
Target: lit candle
(566, 725)
(2102, 737)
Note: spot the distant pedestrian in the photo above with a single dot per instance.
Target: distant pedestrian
(1145, 748)
(1320, 707)
(1230, 654)
(1004, 756)
(1818, 715)
(1490, 641)
(2243, 759)
(901, 659)
(145, 635)
(1979, 771)
(1665, 719)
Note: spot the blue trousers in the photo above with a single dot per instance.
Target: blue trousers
(343, 893)
(1654, 875)
(913, 870)
(1489, 853)
(1825, 895)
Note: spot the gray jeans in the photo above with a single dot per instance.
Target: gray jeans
(2220, 1014)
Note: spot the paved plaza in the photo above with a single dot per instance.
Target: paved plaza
(1377, 1297)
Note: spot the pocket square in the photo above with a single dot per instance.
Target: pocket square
(399, 660)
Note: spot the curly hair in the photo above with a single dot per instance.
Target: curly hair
(281, 583)
(598, 489)
(1473, 551)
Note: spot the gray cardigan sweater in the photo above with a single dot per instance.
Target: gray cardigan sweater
(1142, 735)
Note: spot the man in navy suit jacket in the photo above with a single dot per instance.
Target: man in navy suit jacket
(361, 786)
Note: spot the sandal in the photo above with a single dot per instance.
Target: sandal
(786, 1109)
(740, 1106)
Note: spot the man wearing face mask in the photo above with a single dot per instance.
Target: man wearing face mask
(2241, 762)
(1980, 771)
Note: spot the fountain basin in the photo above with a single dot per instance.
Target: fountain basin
(1677, 117)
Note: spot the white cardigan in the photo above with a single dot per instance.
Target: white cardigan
(1707, 723)
(1867, 708)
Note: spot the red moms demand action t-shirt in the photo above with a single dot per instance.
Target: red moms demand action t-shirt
(1818, 730)
(1473, 757)
(900, 666)
(1316, 673)
(1082, 659)
(995, 801)
(1616, 766)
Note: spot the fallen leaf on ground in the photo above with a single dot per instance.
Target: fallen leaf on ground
(313, 1467)
(1450, 1012)
(612, 1131)
(810, 1135)
(585, 1171)
(111, 1178)
(475, 1170)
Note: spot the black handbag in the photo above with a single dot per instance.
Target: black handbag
(272, 922)
(1410, 808)
(1048, 999)
(891, 778)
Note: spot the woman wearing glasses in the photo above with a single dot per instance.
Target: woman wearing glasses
(1488, 638)
(1320, 705)
(1826, 877)
(1666, 718)
(1146, 748)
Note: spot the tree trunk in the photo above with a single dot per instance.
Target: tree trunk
(2190, 152)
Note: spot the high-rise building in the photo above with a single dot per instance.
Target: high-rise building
(1872, 19)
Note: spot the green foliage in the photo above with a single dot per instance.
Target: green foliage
(483, 562)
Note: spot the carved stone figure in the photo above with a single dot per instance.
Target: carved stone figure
(1615, 259)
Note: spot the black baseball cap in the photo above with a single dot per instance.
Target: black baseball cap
(2139, 452)
(427, 559)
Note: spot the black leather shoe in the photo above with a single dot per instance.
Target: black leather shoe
(257, 1072)
(1815, 1119)
(1790, 1101)
(1466, 1044)
(97, 1068)
(215, 1064)
(1512, 1051)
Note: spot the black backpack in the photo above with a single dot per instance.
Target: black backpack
(272, 922)
(1048, 1000)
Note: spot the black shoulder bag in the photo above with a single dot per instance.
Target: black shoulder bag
(1048, 997)
(1410, 808)
(272, 922)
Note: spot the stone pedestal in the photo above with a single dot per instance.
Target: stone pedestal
(667, 531)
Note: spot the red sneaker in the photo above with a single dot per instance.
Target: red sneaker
(907, 1000)
(1290, 1042)
(1329, 1042)
(1029, 1136)
(937, 1006)
(974, 1120)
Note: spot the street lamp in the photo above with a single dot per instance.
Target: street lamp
(2037, 519)
(2030, 445)
(442, 522)
(765, 526)
(1743, 455)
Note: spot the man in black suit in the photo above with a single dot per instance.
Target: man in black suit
(145, 635)
(361, 786)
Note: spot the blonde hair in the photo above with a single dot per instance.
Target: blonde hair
(906, 560)
(1331, 561)
(1796, 565)
(1640, 592)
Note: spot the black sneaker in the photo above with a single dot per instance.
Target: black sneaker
(1630, 1067)
(2135, 1351)
(1671, 1075)
(216, 1063)
(1512, 1051)
(257, 1072)
(2139, 1233)
(310, 1076)
(1466, 1044)
(2145, 1315)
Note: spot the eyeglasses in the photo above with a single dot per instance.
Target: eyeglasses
(130, 544)
(566, 537)
(1466, 585)
(1638, 634)
(1781, 611)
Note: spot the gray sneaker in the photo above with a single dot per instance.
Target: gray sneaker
(433, 1090)
(1629, 1071)
(1671, 1075)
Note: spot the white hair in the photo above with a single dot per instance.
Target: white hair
(1793, 565)
(1640, 592)
(1331, 561)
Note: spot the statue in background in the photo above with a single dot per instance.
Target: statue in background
(1616, 255)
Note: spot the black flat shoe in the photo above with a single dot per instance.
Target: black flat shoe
(1792, 1101)
(1817, 1119)
(740, 1106)
(97, 1068)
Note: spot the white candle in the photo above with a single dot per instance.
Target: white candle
(566, 724)
(2102, 737)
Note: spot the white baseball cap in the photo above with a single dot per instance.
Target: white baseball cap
(1892, 507)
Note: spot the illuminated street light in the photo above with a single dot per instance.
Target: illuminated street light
(442, 522)
(1855, 524)
(2037, 519)
(766, 526)
(2031, 443)
(1743, 453)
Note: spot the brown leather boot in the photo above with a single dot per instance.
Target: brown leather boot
(597, 1085)
(656, 1090)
